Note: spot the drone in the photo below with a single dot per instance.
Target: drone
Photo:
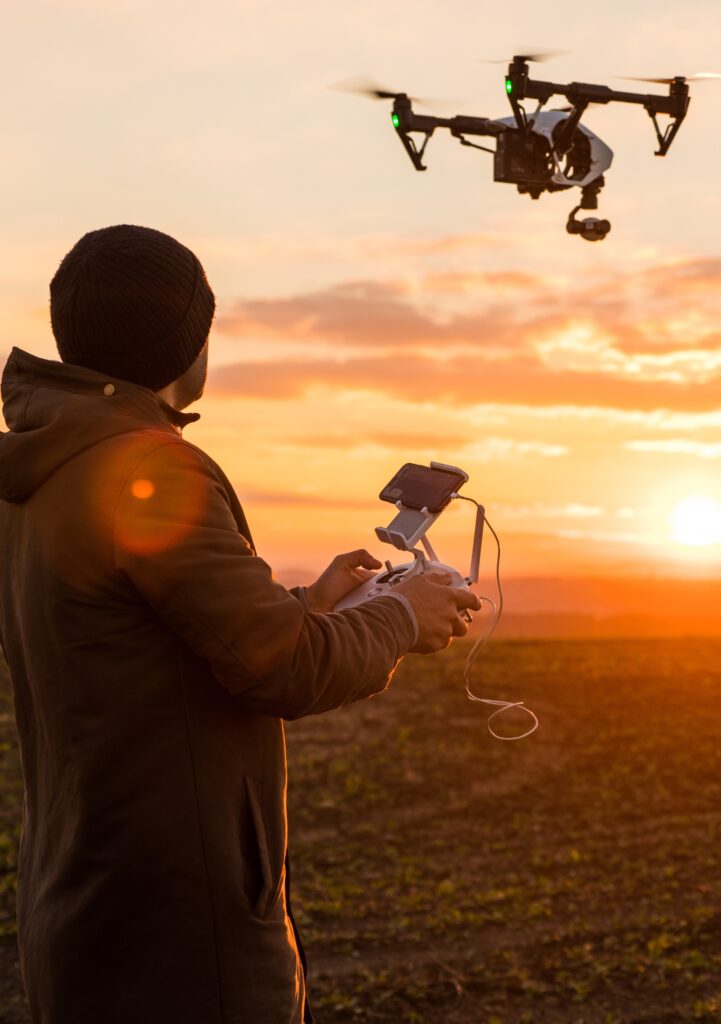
(547, 150)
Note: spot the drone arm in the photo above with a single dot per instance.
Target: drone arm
(461, 126)
(406, 121)
(475, 126)
(675, 105)
(580, 94)
(577, 92)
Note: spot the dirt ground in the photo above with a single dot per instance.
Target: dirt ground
(443, 876)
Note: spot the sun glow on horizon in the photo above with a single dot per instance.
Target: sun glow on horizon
(696, 521)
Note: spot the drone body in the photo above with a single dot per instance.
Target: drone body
(586, 160)
(547, 150)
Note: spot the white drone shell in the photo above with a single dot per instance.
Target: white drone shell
(544, 122)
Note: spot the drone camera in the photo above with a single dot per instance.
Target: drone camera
(522, 159)
(590, 228)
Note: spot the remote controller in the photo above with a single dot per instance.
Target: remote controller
(427, 491)
(420, 493)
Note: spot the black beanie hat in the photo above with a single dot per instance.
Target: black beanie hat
(133, 303)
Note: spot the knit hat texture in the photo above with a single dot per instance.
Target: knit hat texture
(133, 303)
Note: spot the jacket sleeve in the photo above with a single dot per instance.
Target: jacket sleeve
(176, 540)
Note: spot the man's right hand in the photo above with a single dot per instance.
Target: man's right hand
(437, 608)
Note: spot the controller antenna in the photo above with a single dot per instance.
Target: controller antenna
(477, 540)
(474, 570)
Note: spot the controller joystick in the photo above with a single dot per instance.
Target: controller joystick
(385, 581)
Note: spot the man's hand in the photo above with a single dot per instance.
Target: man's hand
(344, 574)
(437, 608)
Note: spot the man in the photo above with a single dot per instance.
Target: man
(153, 658)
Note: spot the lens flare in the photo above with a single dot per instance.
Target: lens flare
(142, 489)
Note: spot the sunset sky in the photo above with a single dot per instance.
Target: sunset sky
(368, 315)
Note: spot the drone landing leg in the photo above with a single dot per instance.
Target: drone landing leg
(666, 137)
(412, 150)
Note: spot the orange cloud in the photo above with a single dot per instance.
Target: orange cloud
(420, 245)
(325, 501)
(628, 342)
(522, 381)
(362, 313)
(464, 282)
(684, 276)
(678, 446)
(384, 439)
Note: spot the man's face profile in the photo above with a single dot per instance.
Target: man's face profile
(190, 386)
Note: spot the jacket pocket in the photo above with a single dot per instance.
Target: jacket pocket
(259, 884)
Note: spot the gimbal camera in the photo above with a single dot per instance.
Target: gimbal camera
(591, 228)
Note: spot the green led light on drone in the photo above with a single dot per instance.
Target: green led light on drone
(509, 86)
(395, 119)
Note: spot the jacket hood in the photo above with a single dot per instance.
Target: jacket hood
(55, 410)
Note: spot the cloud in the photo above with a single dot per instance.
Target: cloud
(465, 282)
(655, 419)
(678, 446)
(684, 277)
(391, 440)
(421, 245)
(540, 510)
(250, 496)
(646, 341)
(463, 381)
(365, 314)
(487, 450)
(507, 448)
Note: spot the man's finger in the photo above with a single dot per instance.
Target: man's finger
(466, 599)
(360, 559)
(459, 628)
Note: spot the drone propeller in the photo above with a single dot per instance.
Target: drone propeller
(366, 87)
(699, 77)
(536, 58)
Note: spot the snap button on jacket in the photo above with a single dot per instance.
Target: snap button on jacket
(153, 659)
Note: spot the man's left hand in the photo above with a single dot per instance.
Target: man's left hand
(344, 574)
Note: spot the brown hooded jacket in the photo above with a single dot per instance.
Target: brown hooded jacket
(153, 658)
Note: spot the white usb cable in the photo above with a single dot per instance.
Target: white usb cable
(487, 633)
